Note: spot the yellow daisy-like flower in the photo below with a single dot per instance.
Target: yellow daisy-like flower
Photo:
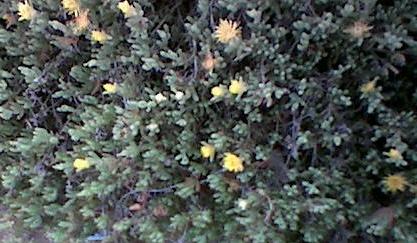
(207, 151)
(359, 29)
(71, 6)
(217, 91)
(227, 31)
(394, 154)
(232, 163)
(369, 87)
(81, 22)
(395, 183)
(237, 87)
(25, 11)
(127, 9)
(81, 164)
(109, 88)
(99, 36)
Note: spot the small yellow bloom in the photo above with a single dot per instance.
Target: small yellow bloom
(110, 88)
(71, 6)
(127, 9)
(227, 31)
(232, 163)
(209, 62)
(237, 87)
(369, 87)
(395, 183)
(81, 22)
(217, 91)
(26, 11)
(99, 36)
(207, 151)
(81, 164)
(359, 29)
(394, 154)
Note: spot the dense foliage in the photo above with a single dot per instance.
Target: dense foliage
(210, 120)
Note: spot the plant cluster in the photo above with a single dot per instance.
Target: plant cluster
(210, 120)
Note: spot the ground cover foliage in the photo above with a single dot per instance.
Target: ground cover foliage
(210, 120)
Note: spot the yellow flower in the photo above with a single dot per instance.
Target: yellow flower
(359, 29)
(232, 163)
(207, 151)
(71, 6)
(237, 87)
(127, 9)
(395, 183)
(109, 88)
(394, 154)
(81, 22)
(26, 11)
(99, 36)
(227, 31)
(81, 164)
(209, 62)
(217, 91)
(368, 87)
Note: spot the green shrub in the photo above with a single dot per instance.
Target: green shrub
(314, 102)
